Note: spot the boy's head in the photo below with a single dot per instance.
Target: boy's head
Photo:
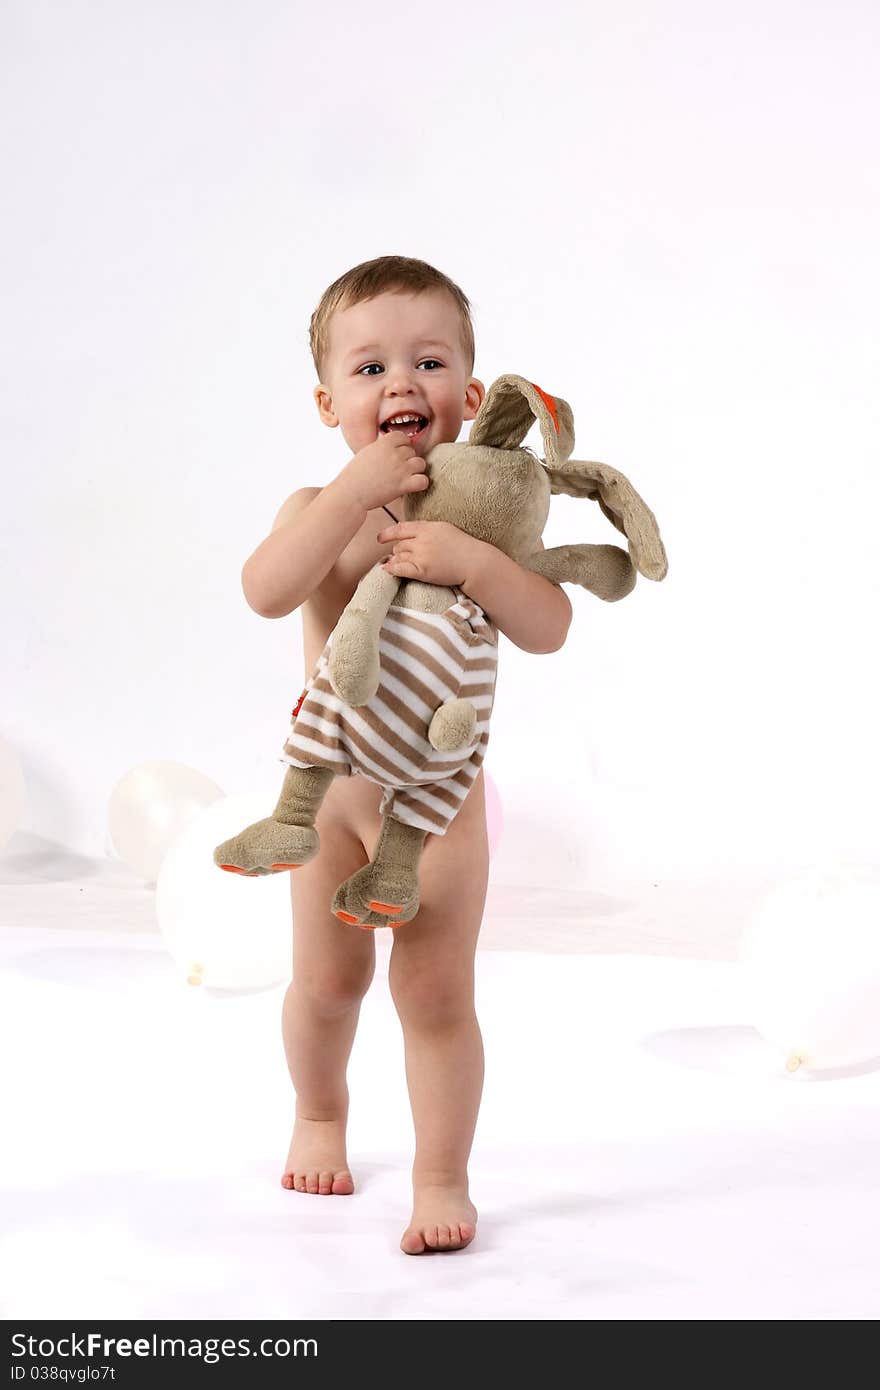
(394, 335)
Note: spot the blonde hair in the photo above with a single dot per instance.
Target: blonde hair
(385, 273)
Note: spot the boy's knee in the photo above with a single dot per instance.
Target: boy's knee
(333, 991)
(429, 1002)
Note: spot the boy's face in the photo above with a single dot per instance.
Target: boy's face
(399, 352)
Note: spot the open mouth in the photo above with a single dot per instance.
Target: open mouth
(412, 428)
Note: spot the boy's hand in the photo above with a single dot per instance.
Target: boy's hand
(384, 470)
(435, 552)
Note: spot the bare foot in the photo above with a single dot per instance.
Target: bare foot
(444, 1218)
(316, 1161)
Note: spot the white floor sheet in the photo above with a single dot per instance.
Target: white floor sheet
(640, 1152)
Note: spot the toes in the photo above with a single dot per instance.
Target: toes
(418, 1240)
(326, 1183)
(412, 1243)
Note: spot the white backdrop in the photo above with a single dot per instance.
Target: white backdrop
(666, 213)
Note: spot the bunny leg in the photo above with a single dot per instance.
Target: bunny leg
(285, 840)
(353, 665)
(384, 893)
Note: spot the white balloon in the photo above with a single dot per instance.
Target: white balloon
(12, 791)
(811, 959)
(223, 929)
(150, 806)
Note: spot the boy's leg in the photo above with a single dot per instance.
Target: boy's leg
(431, 977)
(333, 965)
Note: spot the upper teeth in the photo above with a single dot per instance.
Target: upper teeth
(401, 418)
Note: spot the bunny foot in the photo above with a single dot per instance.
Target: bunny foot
(377, 896)
(267, 847)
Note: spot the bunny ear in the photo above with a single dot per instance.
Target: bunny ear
(623, 507)
(511, 406)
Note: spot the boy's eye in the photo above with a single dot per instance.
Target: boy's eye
(427, 361)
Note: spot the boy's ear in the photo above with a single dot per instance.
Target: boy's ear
(324, 402)
(475, 394)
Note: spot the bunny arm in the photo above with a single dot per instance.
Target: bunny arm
(605, 570)
(623, 507)
(353, 666)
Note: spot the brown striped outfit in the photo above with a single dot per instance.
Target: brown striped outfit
(426, 659)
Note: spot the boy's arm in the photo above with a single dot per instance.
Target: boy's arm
(525, 606)
(308, 535)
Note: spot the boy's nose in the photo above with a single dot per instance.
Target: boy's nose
(400, 382)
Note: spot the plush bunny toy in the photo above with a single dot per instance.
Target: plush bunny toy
(403, 691)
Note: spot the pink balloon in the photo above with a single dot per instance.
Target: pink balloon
(494, 814)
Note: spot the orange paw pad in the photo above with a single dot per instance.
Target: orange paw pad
(253, 873)
(347, 917)
(386, 907)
